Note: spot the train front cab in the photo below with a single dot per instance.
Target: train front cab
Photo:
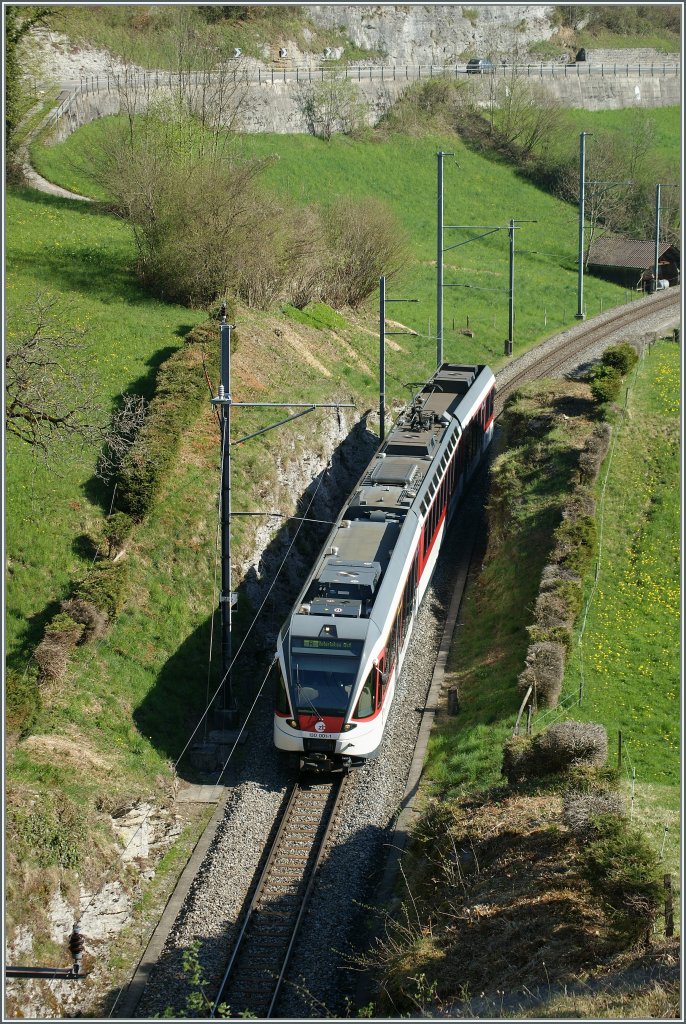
(327, 722)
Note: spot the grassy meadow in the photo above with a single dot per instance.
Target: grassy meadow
(401, 171)
(628, 658)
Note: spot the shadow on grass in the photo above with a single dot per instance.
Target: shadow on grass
(30, 636)
(79, 265)
(172, 709)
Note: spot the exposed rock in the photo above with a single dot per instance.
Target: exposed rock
(105, 913)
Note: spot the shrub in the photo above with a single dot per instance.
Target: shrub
(622, 869)
(567, 743)
(181, 390)
(517, 759)
(104, 587)
(620, 357)
(594, 451)
(22, 700)
(575, 541)
(365, 241)
(545, 664)
(93, 619)
(581, 809)
(557, 749)
(118, 527)
(52, 654)
(605, 383)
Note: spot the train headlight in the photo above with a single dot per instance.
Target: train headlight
(348, 726)
(292, 722)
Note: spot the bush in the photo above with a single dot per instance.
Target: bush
(365, 241)
(52, 654)
(118, 527)
(575, 540)
(623, 870)
(620, 357)
(517, 759)
(94, 620)
(22, 700)
(557, 749)
(566, 743)
(593, 453)
(545, 665)
(605, 383)
(581, 810)
(104, 587)
(180, 393)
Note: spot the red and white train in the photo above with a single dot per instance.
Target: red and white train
(342, 648)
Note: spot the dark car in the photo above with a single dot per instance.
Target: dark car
(480, 66)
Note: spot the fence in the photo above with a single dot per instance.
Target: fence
(381, 73)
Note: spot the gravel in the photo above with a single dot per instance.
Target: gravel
(318, 986)
(640, 333)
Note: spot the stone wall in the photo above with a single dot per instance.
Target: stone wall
(273, 107)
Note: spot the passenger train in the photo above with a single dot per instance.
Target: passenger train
(342, 648)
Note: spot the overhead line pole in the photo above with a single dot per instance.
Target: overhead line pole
(582, 199)
(382, 351)
(439, 259)
(227, 711)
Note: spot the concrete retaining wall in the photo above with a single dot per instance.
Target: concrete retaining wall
(273, 107)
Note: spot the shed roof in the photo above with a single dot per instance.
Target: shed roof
(615, 251)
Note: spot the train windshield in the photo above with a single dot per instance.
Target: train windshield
(322, 684)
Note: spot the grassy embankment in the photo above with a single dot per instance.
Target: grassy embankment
(631, 633)
(128, 706)
(628, 657)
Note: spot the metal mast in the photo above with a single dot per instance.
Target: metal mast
(226, 710)
(582, 200)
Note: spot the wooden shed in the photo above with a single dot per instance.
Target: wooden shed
(631, 261)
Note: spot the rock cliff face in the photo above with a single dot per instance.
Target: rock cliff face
(441, 33)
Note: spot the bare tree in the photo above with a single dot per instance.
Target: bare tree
(49, 384)
(123, 429)
(526, 116)
(331, 106)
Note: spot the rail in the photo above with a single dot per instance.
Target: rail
(257, 967)
(579, 338)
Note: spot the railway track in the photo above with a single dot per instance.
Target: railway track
(570, 344)
(259, 960)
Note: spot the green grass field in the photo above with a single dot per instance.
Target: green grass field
(402, 172)
(68, 250)
(628, 658)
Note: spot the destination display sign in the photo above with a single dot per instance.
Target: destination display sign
(322, 644)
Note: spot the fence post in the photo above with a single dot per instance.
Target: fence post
(633, 793)
(669, 908)
(528, 719)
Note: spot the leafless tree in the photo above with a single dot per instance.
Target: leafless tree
(123, 429)
(332, 106)
(526, 116)
(49, 383)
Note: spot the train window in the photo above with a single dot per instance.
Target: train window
(366, 704)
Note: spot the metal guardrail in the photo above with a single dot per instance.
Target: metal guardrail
(381, 73)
